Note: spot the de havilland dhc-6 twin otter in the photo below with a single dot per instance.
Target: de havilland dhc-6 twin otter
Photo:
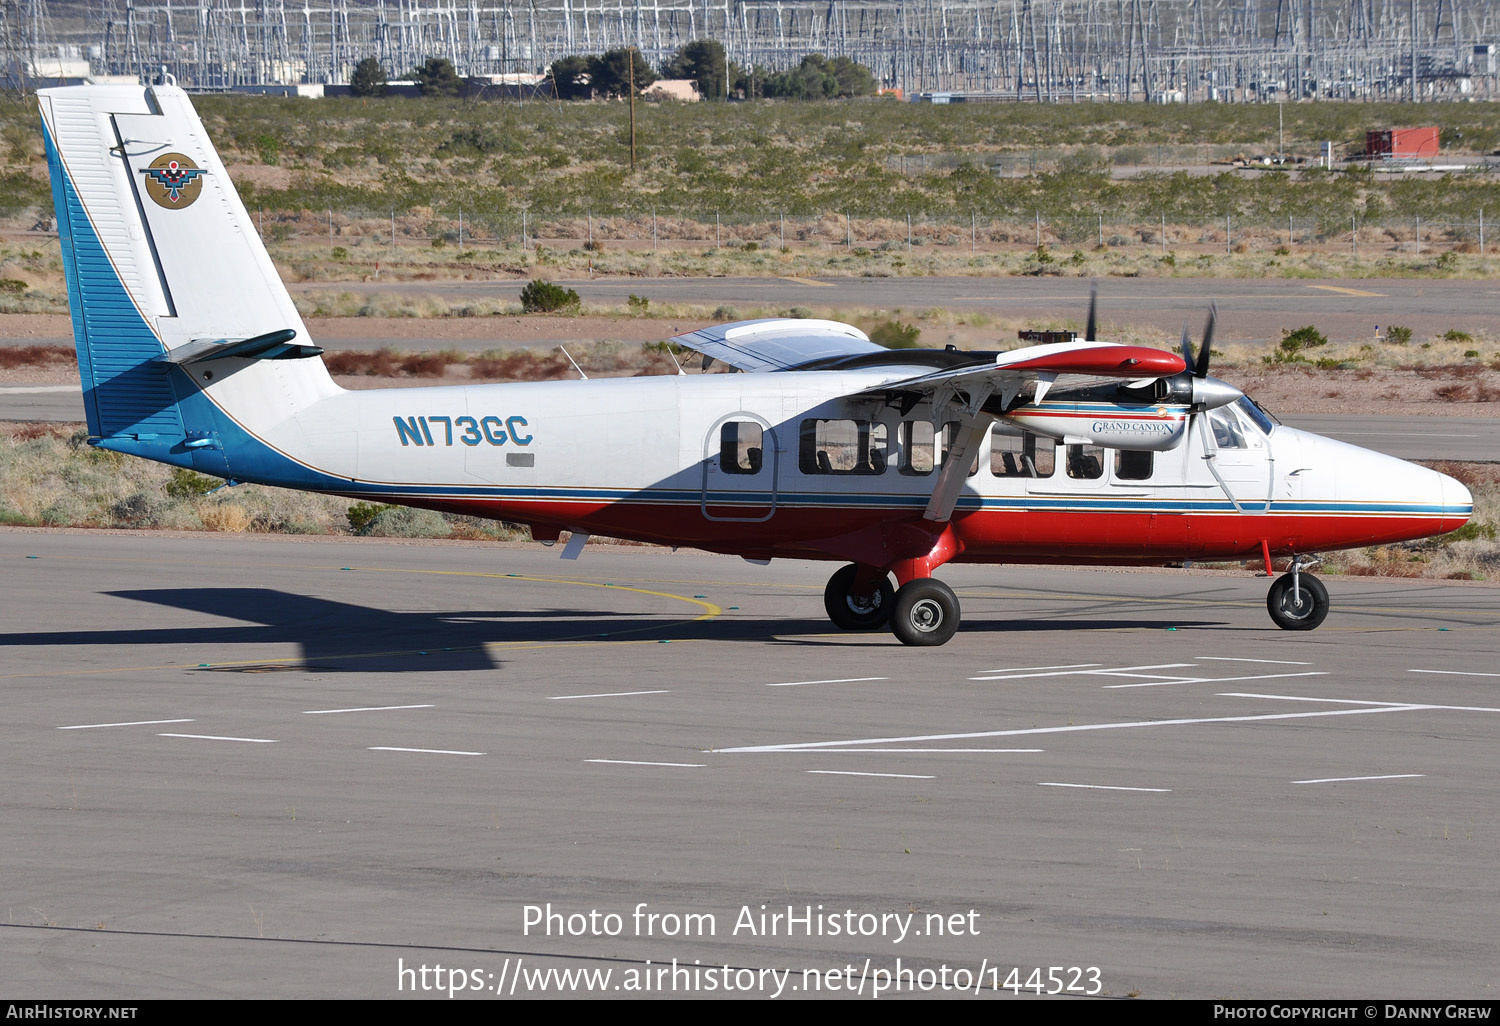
(825, 446)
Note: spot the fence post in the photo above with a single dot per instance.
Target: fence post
(1481, 231)
(908, 231)
(1038, 214)
(393, 227)
(973, 232)
(1291, 237)
(1101, 231)
(460, 229)
(1227, 233)
(849, 230)
(716, 229)
(783, 229)
(653, 229)
(1419, 235)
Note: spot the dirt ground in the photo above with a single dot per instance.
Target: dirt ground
(1435, 383)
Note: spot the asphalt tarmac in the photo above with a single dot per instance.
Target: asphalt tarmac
(251, 766)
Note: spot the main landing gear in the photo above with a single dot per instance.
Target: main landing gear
(1298, 601)
(924, 611)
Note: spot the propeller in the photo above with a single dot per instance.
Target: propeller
(1090, 330)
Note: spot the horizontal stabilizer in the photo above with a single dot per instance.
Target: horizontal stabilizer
(777, 343)
(273, 345)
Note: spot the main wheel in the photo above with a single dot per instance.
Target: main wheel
(1291, 613)
(926, 612)
(850, 612)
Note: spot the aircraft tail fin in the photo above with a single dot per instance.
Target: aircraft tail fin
(180, 319)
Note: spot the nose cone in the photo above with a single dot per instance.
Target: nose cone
(1458, 503)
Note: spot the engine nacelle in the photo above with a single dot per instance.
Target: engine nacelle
(1116, 425)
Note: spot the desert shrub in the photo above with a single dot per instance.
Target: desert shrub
(12, 287)
(185, 484)
(362, 513)
(1296, 340)
(405, 522)
(1454, 335)
(1397, 334)
(895, 335)
(545, 297)
(638, 304)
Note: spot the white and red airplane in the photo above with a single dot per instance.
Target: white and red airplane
(827, 446)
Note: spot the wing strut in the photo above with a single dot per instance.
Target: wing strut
(973, 423)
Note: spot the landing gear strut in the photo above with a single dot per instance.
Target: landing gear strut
(851, 611)
(1298, 601)
(926, 612)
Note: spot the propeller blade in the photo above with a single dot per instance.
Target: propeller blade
(1200, 369)
(1187, 347)
(1090, 328)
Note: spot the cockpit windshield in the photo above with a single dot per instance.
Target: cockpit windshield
(1257, 415)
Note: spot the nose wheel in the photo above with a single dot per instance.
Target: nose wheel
(1297, 601)
(926, 612)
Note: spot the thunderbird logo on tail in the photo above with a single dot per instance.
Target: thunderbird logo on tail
(172, 181)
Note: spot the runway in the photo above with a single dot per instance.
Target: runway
(253, 766)
(1249, 308)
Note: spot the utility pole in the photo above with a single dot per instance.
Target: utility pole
(630, 59)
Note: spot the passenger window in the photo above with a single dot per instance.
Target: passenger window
(741, 449)
(1132, 465)
(1016, 453)
(918, 447)
(842, 447)
(1085, 462)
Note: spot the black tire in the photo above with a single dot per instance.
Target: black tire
(926, 613)
(1288, 613)
(849, 613)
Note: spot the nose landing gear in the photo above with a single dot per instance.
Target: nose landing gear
(1297, 601)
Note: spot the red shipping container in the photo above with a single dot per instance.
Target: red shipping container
(1402, 142)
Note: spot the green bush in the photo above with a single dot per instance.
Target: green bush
(638, 304)
(896, 335)
(12, 287)
(362, 514)
(1454, 335)
(185, 484)
(545, 297)
(1397, 334)
(1307, 337)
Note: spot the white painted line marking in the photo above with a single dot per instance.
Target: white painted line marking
(1021, 669)
(1236, 659)
(807, 746)
(632, 762)
(1219, 680)
(216, 737)
(841, 680)
(424, 751)
(1457, 673)
(1071, 672)
(852, 773)
(1420, 706)
(991, 751)
(39, 389)
(367, 708)
(608, 694)
(1104, 787)
(134, 723)
(1340, 780)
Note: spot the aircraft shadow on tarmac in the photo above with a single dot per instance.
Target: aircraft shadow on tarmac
(342, 636)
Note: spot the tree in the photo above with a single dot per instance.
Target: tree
(703, 61)
(818, 78)
(368, 79)
(436, 77)
(571, 79)
(611, 72)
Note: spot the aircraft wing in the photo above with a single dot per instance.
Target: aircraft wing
(778, 343)
(1076, 363)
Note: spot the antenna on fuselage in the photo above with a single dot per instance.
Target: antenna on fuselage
(574, 362)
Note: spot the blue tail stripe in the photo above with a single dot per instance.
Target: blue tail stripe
(126, 393)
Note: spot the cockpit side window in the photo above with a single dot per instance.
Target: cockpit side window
(1251, 409)
(1227, 431)
(1015, 453)
(1085, 462)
